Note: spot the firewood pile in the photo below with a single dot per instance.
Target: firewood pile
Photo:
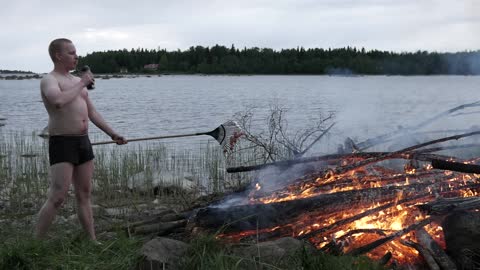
(354, 204)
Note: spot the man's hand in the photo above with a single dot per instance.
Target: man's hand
(87, 79)
(119, 139)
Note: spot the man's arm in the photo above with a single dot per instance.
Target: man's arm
(98, 120)
(54, 95)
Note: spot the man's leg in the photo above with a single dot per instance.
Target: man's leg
(61, 174)
(82, 181)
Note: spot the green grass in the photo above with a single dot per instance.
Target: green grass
(208, 252)
(22, 252)
(204, 253)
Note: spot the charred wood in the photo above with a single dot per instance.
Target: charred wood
(385, 259)
(455, 166)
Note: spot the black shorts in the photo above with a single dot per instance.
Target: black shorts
(75, 149)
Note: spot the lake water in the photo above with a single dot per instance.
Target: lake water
(365, 106)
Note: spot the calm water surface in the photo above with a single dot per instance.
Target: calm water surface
(365, 106)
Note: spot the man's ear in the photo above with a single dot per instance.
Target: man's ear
(57, 57)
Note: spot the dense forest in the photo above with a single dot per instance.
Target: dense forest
(223, 60)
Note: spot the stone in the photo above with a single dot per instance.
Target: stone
(162, 253)
(273, 251)
(161, 179)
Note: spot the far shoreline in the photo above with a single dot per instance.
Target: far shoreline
(106, 76)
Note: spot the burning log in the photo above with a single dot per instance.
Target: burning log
(361, 215)
(376, 210)
(438, 253)
(259, 216)
(367, 248)
(248, 217)
(333, 245)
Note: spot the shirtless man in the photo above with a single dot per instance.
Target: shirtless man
(71, 157)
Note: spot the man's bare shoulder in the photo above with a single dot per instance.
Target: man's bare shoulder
(48, 81)
(49, 77)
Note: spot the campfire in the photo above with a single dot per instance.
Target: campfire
(354, 204)
(359, 203)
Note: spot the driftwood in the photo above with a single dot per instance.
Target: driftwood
(160, 228)
(427, 256)
(161, 217)
(438, 253)
(371, 246)
(446, 205)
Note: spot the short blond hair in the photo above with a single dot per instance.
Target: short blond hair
(56, 46)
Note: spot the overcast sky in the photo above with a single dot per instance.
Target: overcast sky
(28, 26)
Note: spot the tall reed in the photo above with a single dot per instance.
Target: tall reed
(24, 171)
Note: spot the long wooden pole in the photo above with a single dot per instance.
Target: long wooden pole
(152, 138)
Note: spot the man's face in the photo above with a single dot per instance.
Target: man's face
(68, 56)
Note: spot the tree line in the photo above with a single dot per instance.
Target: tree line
(339, 61)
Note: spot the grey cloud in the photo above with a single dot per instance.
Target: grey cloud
(376, 24)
